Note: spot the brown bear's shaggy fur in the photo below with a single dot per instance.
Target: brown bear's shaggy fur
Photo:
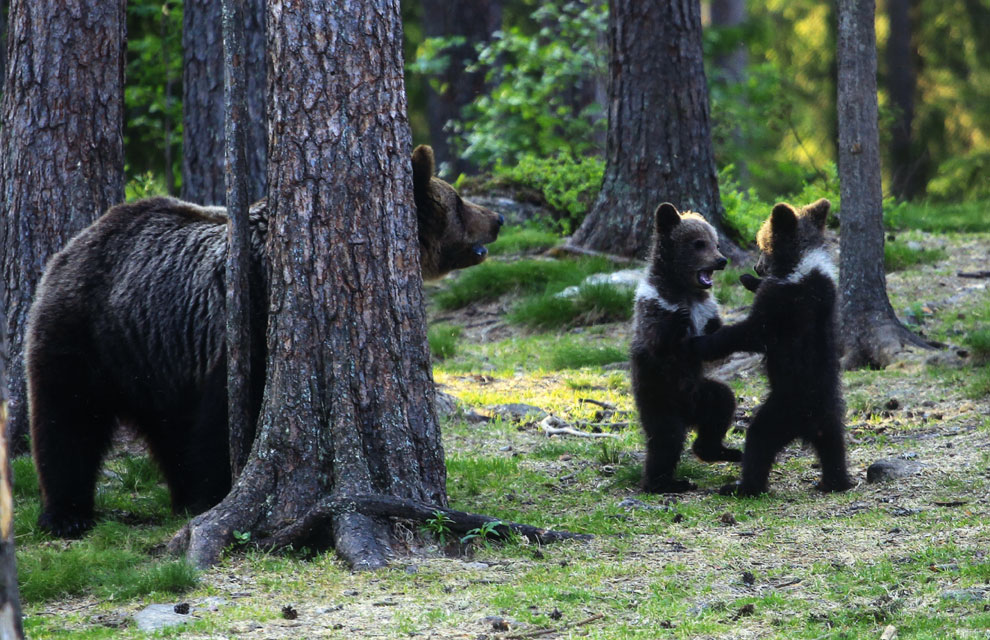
(671, 393)
(128, 326)
(793, 322)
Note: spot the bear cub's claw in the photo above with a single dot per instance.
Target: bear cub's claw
(65, 527)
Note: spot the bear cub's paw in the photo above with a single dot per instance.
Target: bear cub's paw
(834, 486)
(716, 453)
(65, 526)
(751, 282)
(668, 486)
(738, 490)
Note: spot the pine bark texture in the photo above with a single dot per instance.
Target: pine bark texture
(474, 21)
(240, 430)
(658, 146)
(203, 179)
(10, 603)
(349, 399)
(62, 150)
(871, 335)
(901, 86)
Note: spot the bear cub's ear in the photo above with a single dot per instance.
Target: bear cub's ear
(423, 166)
(783, 218)
(666, 217)
(818, 210)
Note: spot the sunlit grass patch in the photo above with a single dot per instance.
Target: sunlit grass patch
(524, 239)
(898, 256)
(925, 216)
(592, 304)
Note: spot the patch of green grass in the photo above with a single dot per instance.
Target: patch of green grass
(593, 304)
(577, 355)
(978, 342)
(524, 239)
(443, 340)
(728, 291)
(898, 256)
(492, 279)
(925, 216)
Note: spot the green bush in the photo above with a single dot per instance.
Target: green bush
(568, 184)
(523, 239)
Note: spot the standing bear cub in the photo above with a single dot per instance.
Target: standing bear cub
(128, 325)
(673, 303)
(792, 321)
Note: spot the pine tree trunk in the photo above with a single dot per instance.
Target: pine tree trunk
(474, 21)
(203, 101)
(658, 146)
(348, 406)
(901, 85)
(870, 332)
(62, 156)
(10, 603)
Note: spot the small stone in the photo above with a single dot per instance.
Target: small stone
(748, 578)
(891, 469)
(289, 612)
(159, 616)
(498, 623)
(182, 608)
(352, 592)
(556, 614)
(892, 404)
(518, 412)
(480, 566)
(727, 519)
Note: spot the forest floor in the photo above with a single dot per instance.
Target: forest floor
(911, 553)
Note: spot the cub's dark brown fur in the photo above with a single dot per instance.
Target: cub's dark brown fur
(128, 326)
(672, 395)
(792, 321)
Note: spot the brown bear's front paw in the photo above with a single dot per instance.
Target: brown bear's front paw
(719, 453)
(668, 486)
(834, 485)
(737, 489)
(65, 526)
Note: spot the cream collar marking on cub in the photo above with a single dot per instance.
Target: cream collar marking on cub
(701, 312)
(815, 260)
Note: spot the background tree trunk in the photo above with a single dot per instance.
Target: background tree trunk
(732, 65)
(348, 406)
(10, 602)
(901, 86)
(62, 156)
(203, 101)
(870, 332)
(658, 146)
(240, 429)
(474, 21)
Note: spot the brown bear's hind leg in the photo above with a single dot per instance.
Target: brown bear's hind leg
(713, 413)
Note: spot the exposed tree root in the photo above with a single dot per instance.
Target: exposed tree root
(878, 346)
(336, 510)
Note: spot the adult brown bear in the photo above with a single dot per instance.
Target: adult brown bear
(127, 326)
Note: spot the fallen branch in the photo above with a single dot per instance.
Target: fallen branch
(542, 632)
(973, 274)
(603, 405)
(381, 506)
(553, 426)
(565, 249)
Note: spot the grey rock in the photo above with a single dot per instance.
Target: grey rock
(626, 278)
(965, 595)
(518, 412)
(515, 211)
(633, 503)
(892, 469)
(159, 616)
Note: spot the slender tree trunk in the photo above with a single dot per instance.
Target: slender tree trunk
(348, 405)
(475, 21)
(10, 603)
(658, 146)
(901, 86)
(62, 156)
(240, 429)
(732, 65)
(203, 101)
(870, 332)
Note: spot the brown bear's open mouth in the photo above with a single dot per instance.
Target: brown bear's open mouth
(705, 277)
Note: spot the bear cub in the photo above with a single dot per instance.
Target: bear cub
(792, 322)
(672, 304)
(128, 325)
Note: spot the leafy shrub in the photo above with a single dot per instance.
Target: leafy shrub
(965, 177)
(523, 239)
(978, 342)
(928, 216)
(568, 184)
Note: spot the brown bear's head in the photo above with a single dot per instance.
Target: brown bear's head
(685, 252)
(788, 235)
(452, 231)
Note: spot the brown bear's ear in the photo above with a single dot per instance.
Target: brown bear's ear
(423, 166)
(666, 217)
(783, 218)
(818, 210)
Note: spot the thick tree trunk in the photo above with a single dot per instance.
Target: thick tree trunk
(348, 405)
(202, 106)
(240, 428)
(62, 155)
(870, 332)
(474, 21)
(10, 603)
(901, 85)
(658, 145)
